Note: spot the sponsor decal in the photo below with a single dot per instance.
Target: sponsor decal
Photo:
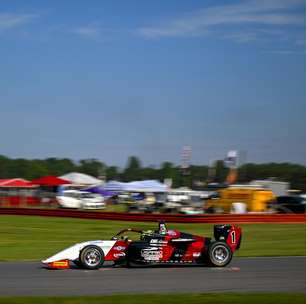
(158, 242)
(63, 264)
(178, 255)
(196, 254)
(119, 248)
(151, 254)
(119, 255)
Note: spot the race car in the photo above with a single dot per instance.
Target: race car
(159, 247)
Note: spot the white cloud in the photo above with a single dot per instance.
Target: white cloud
(301, 42)
(10, 21)
(243, 37)
(96, 32)
(91, 31)
(261, 12)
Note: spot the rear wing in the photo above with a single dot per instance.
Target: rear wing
(230, 234)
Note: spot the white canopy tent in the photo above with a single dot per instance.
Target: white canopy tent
(137, 186)
(81, 179)
(146, 186)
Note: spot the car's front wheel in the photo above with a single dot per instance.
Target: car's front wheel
(219, 254)
(91, 257)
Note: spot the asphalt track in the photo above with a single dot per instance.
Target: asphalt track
(287, 274)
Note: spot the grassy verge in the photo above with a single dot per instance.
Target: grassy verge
(169, 299)
(35, 238)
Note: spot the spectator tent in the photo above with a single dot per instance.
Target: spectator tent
(81, 179)
(15, 183)
(137, 186)
(50, 181)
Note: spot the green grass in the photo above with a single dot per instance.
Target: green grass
(116, 208)
(169, 299)
(35, 238)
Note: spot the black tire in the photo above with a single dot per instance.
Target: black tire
(219, 254)
(131, 264)
(77, 263)
(91, 257)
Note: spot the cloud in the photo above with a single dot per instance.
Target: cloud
(91, 31)
(11, 21)
(204, 21)
(94, 31)
(301, 42)
(243, 37)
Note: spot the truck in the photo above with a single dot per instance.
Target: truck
(252, 198)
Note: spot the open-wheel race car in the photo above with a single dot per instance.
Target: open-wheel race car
(158, 247)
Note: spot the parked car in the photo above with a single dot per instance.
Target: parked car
(80, 200)
(288, 204)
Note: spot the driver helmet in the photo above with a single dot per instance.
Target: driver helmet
(162, 229)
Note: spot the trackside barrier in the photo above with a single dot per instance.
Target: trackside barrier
(19, 201)
(171, 218)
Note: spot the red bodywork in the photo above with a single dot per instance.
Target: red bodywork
(193, 249)
(234, 238)
(117, 251)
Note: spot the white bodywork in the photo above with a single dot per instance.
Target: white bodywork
(72, 253)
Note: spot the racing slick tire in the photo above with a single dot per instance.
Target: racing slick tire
(131, 264)
(219, 254)
(91, 257)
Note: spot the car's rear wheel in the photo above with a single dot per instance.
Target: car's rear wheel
(219, 254)
(91, 257)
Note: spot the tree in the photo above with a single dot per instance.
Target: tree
(92, 167)
(168, 170)
(198, 175)
(112, 173)
(221, 171)
(30, 169)
(58, 166)
(4, 166)
(132, 170)
(149, 173)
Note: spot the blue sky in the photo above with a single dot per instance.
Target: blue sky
(109, 79)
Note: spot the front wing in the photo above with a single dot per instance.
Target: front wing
(113, 250)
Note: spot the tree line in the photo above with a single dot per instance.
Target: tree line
(196, 176)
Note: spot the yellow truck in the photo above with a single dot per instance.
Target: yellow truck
(254, 199)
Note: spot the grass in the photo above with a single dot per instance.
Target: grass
(169, 299)
(116, 208)
(25, 238)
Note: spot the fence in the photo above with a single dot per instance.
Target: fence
(171, 218)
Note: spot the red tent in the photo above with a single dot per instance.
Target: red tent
(50, 181)
(16, 183)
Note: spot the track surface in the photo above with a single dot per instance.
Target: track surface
(287, 274)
